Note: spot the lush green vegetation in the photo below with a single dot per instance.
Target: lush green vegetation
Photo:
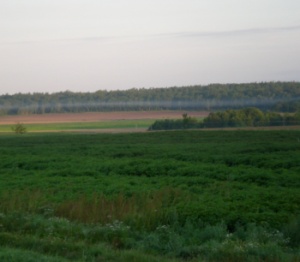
(247, 117)
(161, 196)
(250, 117)
(186, 122)
(275, 96)
(81, 125)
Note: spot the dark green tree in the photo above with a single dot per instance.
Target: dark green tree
(19, 128)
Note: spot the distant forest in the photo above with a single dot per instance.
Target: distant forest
(267, 96)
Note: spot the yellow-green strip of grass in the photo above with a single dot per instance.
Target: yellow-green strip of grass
(115, 124)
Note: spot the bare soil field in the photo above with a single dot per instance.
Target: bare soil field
(96, 117)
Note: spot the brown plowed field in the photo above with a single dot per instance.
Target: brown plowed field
(96, 117)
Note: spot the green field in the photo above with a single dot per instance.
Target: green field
(116, 124)
(161, 196)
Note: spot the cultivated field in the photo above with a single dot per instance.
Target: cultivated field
(97, 117)
(157, 196)
(104, 122)
(107, 122)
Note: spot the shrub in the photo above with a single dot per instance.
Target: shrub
(19, 128)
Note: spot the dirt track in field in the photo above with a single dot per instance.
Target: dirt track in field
(96, 117)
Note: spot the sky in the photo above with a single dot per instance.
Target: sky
(89, 45)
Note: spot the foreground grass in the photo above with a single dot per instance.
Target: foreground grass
(74, 252)
(170, 196)
(13, 254)
(58, 239)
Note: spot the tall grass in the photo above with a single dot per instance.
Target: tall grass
(22, 201)
(144, 210)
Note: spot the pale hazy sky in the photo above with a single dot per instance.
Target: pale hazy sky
(88, 45)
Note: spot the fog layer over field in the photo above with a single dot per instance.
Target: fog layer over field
(206, 104)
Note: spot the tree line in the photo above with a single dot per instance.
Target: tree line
(247, 117)
(275, 96)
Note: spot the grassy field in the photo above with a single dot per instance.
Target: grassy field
(115, 124)
(163, 196)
